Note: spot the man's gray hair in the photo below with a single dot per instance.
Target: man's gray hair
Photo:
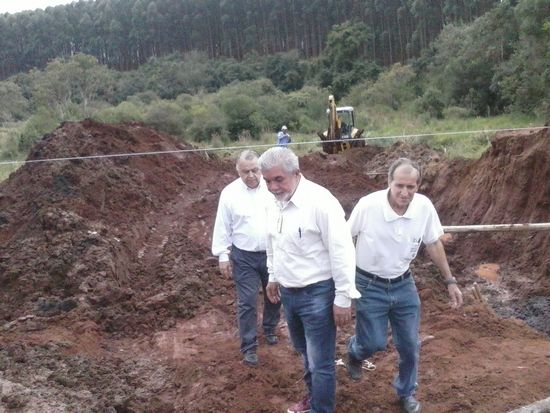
(404, 161)
(279, 156)
(247, 155)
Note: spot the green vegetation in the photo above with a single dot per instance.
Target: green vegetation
(125, 34)
(457, 136)
(491, 72)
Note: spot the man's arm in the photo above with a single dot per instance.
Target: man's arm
(272, 288)
(221, 237)
(436, 251)
(337, 239)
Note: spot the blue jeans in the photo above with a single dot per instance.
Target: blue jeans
(399, 304)
(249, 271)
(310, 320)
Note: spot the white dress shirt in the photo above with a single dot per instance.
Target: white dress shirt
(241, 219)
(388, 242)
(308, 241)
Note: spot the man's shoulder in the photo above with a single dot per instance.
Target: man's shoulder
(318, 196)
(421, 207)
(232, 186)
(316, 188)
(421, 199)
(374, 197)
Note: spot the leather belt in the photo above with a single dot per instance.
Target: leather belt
(375, 277)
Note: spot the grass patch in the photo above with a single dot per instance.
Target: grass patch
(6, 170)
(456, 136)
(9, 151)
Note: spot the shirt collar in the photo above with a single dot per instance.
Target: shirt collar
(299, 197)
(246, 187)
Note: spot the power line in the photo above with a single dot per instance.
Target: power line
(231, 148)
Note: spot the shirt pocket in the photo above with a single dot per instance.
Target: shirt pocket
(304, 238)
(413, 245)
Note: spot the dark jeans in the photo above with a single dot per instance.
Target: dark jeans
(399, 305)
(310, 320)
(249, 272)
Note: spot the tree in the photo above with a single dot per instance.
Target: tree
(393, 87)
(342, 63)
(78, 81)
(13, 105)
(524, 79)
(285, 71)
(466, 57)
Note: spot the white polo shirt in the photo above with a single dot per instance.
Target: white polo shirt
(308, 241)
(387, 242)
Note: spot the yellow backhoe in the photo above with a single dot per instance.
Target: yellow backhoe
(342, 133)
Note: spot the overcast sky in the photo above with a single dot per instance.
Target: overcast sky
(14, 6)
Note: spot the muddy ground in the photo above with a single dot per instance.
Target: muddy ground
(111, 302)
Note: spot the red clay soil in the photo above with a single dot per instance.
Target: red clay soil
(111, 302)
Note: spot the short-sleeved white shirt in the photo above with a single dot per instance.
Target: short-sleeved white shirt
(387, 242)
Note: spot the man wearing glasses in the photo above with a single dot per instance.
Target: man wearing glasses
(311, 263)
(239, 242)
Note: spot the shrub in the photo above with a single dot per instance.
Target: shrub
(42, 122)
(125, 112)
(13, 105)
(239, 111)
(431, 103)
(393, 88)
(456, 112)
(206, 121)
(9, 139)
(165, 116)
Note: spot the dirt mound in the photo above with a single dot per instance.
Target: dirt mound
(74, 232)
(507, 185)
(110, 300)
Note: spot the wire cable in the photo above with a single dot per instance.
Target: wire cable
(231, 148)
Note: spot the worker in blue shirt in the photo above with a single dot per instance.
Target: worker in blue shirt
(283, 138)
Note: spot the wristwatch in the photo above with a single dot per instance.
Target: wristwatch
(449, 281)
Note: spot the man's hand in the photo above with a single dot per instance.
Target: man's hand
(455, 295)
(273, 293)
(342, 315)
(226, 269)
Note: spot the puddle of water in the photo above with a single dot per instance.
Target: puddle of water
(488, 271)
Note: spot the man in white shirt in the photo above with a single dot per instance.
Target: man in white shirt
(239, 240)
(310, 258)
(390, 225)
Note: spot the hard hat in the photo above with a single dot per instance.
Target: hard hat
(284, 127)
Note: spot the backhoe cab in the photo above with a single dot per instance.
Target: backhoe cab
(342, 133)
